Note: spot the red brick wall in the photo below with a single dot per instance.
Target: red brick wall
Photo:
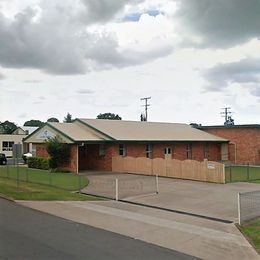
(89, 158)
(41, 150)
(71, 165)
(244, 143)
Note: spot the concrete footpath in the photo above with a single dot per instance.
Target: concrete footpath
(198, 237)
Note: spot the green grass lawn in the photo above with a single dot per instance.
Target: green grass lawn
(31, 191)
(252, 231)
(242, 173)
(68, 181)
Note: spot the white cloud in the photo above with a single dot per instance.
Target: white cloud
(117, 63)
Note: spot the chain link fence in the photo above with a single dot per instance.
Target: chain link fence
(66, 181)
(121, 187)
(248, 206)
(236, 173)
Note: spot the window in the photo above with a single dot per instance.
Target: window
(122, 150)
(7, 146)
(189, 151)
(168, 151)
(149, 151)
(206, 151)
(102, 150)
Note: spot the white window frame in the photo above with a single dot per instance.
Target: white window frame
(206, 151)
(167, 151)
(122, 150)
(149, 151)
(8, 147)
(189, 151)
(102, 150)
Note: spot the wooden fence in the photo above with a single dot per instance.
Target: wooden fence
(207, 171)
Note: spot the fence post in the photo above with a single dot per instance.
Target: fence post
(27, 178)
(247, 171)
(157, 184)
(230, 173)
(79, 183)
(17, 176)
(239, 213)
(7, 171)
(50, 182)
(116, 189)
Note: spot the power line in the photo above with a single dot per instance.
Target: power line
(146, 105)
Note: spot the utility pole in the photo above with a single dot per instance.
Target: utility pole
(146, 105)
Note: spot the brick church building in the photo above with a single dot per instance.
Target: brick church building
(93, 142)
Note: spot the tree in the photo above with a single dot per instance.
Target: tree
(68, 118)
(7, 127)
(142, 117)
(109, 116)
(230, 121)
(34, 122)
(53, 119)
(195, 125)
(58, 151)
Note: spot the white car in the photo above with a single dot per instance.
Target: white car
(27, 155)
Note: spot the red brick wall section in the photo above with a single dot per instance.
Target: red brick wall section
(41, 150)
(89, 158)
(244, 144)
(71, 165)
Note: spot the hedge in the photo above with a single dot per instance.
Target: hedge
(38, 163)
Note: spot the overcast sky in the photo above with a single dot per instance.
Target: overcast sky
(193, 57)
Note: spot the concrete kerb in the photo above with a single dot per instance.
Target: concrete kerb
(2, 196)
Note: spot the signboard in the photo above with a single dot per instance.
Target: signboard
(211, 166)
(46, 134)
(17, 151)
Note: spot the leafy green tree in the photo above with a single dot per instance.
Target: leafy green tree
(68, 118)
(53, 119)
(109, 116)
(34, 122)
(58, 151)
(7, 127)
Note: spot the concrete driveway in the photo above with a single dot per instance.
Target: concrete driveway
(207, 199)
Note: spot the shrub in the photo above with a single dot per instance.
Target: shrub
(58, 151)
(39, 163)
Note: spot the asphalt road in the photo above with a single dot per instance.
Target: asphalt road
(29, 234)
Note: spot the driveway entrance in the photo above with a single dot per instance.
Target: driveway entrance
(207, 199)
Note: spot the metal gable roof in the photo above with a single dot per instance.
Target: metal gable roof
(99, 130)
(149, 131)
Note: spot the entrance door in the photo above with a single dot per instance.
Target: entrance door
(168, 153)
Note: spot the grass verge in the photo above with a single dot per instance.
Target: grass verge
(68, 181)
(242, 173)
(252, 231)
(31, 191)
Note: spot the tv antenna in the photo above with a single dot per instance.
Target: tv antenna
(146, 105)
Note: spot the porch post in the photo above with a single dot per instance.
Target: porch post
(77, 159)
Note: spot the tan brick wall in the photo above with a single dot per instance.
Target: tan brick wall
(244, 144)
